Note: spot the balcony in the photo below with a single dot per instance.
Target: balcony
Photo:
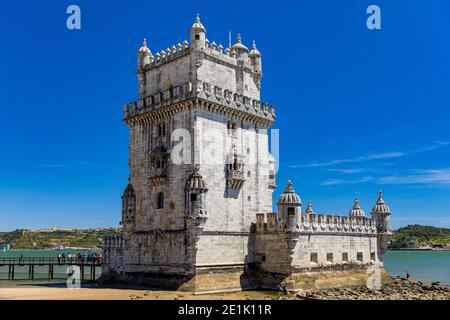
(157, 176)
(235, 178)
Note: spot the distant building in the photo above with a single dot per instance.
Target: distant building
(206, 225)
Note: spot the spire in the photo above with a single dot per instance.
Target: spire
(289, 196)
(198, 25)
(381, 206)
(356, 210)
(238, 46)
(309, 209)
(144, 47)
(254, 52)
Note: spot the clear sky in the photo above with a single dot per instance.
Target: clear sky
(358, 110)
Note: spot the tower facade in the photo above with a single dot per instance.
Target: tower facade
(199, 163)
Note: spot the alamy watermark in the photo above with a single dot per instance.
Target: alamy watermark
(374, 20)
(73, 21)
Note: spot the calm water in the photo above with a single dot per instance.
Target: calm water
(40, 272)
(427, 266)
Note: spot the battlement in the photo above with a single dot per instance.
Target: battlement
(207, 92)
(170, 54)
(269, 222)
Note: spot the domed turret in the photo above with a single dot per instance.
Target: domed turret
(381, 214)
(144, 55)
(197, 34)
(129, 191)
(128, 204)
(356, 210)
(381, 206)
(194, 190)
(289, 196)
(289, 205)
(255, 57)
(195, 181)
(239, 48)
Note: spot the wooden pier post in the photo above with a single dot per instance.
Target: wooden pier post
(12, 272)
(32, 272)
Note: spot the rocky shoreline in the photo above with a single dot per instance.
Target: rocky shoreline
(396, 289)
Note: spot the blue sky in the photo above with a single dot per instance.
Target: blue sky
(358, 110)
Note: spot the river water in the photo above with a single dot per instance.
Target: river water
(427, 266)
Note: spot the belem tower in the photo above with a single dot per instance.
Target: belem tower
(197, 208)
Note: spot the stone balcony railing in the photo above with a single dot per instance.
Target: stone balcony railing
(158, 175)
(235, 178)
(316, 223)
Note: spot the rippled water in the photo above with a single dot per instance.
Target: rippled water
(427, 266)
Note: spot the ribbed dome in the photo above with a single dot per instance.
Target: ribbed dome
(129, 191)
(195, 181)
(381, 206)
(238, 45)
(289, 196)
(254, 52)
(144, 47)
(309, 209)
(356, 211)
(198, 25)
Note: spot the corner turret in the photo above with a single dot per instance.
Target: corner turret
(197, 34)
(289, 206)
(255, 58)
(381, 214)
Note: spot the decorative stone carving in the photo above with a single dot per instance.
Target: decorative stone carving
(207, 89)
(218, 93)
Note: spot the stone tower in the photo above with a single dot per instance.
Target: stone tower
(199, 164)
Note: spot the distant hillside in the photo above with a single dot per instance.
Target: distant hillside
(423, 235)
(45, 239)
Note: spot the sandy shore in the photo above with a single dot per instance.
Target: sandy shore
(397, 289)
(46, 293)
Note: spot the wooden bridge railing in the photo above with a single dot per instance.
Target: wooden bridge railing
(50, 260)
(31, 262)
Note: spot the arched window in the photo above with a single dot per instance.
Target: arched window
(160, 201)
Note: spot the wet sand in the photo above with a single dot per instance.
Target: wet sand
(59, 293)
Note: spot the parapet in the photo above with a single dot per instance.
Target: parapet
(215, 94)
(319, 223)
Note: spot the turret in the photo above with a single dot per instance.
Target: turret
(381, 214)
(240, 50)
(194, 199)
(309, 210)
(255, 58)
(356, 210)
(289, 206)
(144, 55)
(128, 205)
(197, 34)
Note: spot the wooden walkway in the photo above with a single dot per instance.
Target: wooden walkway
(31, 262)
